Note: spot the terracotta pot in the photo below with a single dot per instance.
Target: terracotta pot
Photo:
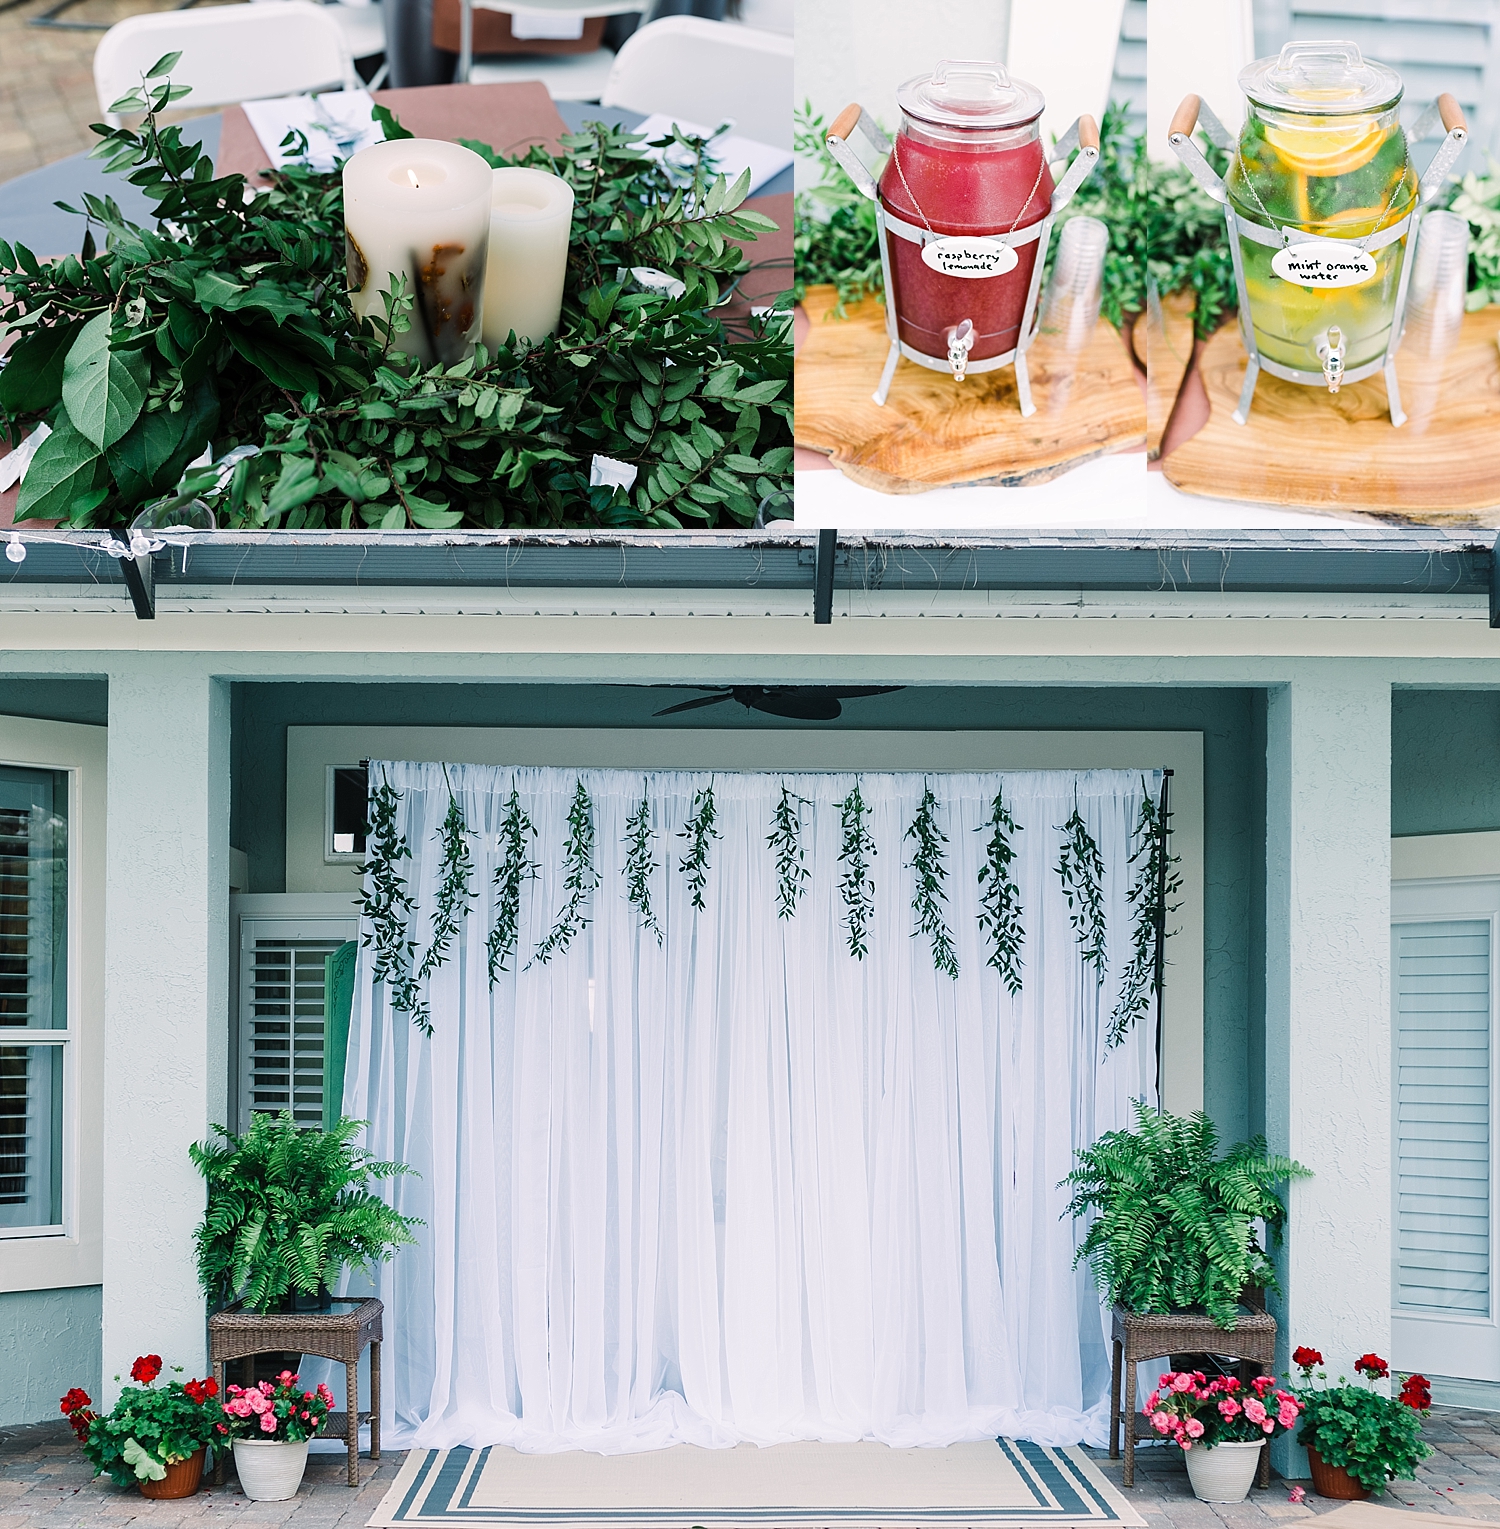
(1334, 1481)
(181, 1479)
(1223, 1473)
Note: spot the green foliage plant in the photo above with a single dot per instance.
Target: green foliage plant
(856, 883)
(785, 841)
(1173, 1223)
(1376, 1438)
(1080, 869)
(580, 881)
(289, 1209)
(227, 323)
(514, 871)
(150, 1427)
(699, 831)
(1000, 898)
(641, 864)
(1476, 198)
(1149, 899)
(930, 872)
(1187, 244)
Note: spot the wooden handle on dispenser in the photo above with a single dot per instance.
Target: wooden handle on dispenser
(844, 123)
(1451, 113)
(1185, 119)
(1088, 133)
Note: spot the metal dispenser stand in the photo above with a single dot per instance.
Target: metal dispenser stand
(1195, 113)
(858, 142)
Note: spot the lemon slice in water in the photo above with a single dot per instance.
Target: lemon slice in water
(1330, 148)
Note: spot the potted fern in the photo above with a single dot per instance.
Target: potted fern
(1174, 1223)
(288, 1210)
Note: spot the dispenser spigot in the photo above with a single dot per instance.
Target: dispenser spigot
(1331, 354)
(960, 343)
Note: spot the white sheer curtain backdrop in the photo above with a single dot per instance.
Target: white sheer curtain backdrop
(738, 1185)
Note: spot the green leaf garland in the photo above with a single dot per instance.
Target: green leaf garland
(455, 892)
(580, 882)
(516, 868)
(641, 864)
(856, 885)
(1080, 868)
(785, 840)
(1000, 898)
(386, 905)
(929, 895)
(699, 832)
(1148, 913)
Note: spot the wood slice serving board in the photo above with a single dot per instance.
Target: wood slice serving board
(1169, 349)
(935, 433)
(1339, 452)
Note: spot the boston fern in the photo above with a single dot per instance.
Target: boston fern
(226, 326)
(1173, 1222)
(288, 1210)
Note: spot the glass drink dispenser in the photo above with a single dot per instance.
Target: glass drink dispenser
(964, 206)
(1321, 202)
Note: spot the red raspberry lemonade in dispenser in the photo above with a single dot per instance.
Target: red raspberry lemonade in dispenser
(965, 205)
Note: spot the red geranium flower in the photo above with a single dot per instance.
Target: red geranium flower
(1416, 1392)
(1305, 1358)
(210, 1387)
(76, 1399)
(146, 1368)
(1372, 1365)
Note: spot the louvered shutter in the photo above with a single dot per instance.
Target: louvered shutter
(1442, 984)
(1436, 45)
(281, 1014)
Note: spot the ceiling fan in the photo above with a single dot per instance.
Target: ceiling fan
(805, 703)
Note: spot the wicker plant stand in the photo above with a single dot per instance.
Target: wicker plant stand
(342, 1336)
(1252, 1340)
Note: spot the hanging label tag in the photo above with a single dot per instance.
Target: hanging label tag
(970, 258)
(1323, 264)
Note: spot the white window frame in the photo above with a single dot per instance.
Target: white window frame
(305, 915)
(1437, 878)
(56, 1257)
(332, 856)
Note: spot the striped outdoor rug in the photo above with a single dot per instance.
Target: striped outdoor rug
(787, 1486)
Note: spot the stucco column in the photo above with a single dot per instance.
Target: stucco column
(1328, 1021)
(166, 949)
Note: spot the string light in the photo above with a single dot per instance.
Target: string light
(15, 548)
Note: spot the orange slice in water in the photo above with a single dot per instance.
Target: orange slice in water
(1332, 148)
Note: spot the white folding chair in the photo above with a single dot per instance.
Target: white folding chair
(705, 71)
(567, 76)
(230, 53)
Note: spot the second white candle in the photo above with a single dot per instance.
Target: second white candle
(531, 214)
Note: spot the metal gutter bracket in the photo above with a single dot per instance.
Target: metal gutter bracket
(1495, 584)
(140, 579)
(823, 578)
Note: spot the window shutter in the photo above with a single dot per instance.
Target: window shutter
(281, 1015)
(1442, 980)
(1436, 45)
(1128, 87)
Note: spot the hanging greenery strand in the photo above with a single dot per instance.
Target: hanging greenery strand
(1000, 898)
(785, 840)
(1080, 867)
(515, 869)
(1154, 884)
(386, 905)
(929, 896)
(640, 864)
(455, 893)
(581, 880)
(699, 832)
(856, 885)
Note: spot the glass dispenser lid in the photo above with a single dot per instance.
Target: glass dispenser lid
(969, 93)
(1321, 78)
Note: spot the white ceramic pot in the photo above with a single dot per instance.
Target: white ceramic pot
(1220, 1474)
(270, 1471)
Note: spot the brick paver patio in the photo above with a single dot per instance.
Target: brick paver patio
(44, 1484)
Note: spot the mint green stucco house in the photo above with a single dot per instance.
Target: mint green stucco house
(1329, 704)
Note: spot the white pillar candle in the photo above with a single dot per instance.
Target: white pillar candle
(530, 216)
(420, 208)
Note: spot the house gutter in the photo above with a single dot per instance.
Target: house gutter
(1376, 562)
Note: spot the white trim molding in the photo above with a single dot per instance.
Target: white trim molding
(1442, 857)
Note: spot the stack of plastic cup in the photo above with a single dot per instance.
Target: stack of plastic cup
(1070, 308)
(1439, 284)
